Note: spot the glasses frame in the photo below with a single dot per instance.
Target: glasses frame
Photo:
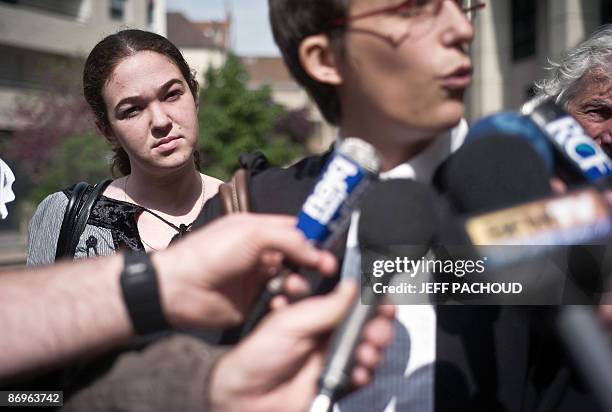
(343, 21)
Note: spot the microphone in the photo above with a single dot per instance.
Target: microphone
(514, 124)
(395, 213)
(579, 157)
(326, 213)
(348, 174)
(493, 172)
(510, 205)
(532, 245)
(576, 326)
(556, 136)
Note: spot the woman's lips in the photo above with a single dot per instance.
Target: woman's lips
(167, 144)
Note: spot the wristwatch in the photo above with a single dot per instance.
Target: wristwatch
(141, 295)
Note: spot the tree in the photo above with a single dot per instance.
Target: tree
(296, 124)
(234, 119)
(81, 157)
(57, 145)
(49, 114)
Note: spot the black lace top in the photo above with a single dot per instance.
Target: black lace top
(121, 219)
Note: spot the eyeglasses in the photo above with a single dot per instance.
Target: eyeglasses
(408, 19)
(412, 8)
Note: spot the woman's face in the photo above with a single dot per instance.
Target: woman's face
(152, 113)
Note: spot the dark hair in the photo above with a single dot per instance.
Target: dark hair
(294, 20)
(101, 62)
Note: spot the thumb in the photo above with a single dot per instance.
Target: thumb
(319, 314)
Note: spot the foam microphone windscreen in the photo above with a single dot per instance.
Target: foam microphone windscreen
(493, 172)
(398, 212)
(514, 124)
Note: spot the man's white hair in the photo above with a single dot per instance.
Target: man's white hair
(565, 81)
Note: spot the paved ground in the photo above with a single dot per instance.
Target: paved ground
(12, 249)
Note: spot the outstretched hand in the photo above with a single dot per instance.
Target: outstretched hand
(212, 277)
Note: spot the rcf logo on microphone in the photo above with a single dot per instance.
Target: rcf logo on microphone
(571, 138)
(331, 190)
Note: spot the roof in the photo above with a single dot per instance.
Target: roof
(268, 70)
(217, 31)
(183, 33)
(213, 24)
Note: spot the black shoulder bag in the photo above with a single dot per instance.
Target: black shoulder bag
(84, 197)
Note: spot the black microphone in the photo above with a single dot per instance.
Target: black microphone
(395, 214)
(520, 177)
(560, 141)
(493, 172)
(510, 205)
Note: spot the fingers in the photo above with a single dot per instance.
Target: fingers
(296, 286)
(279, 233)
(315, 315)
(605, 315)
(378, 332)
(279, 302)
(368, 356)
(360, 376)
(387, 311)
(558, 186)
(271, 262)
(377, 335)
(608, 196)
(319, 314)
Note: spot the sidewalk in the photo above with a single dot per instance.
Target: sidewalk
(12, 250)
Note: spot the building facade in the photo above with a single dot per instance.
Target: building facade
(200, 50)
(34, 31)
(515, 40)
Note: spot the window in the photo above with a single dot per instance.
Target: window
(606, 11)
(150, 11)
(117, 9)
(523, 29)
(68, 8)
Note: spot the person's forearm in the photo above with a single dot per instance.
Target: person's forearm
(55, 313)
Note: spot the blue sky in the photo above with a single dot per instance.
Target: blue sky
(251, 31)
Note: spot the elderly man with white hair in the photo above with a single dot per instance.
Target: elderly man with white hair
(582, 83)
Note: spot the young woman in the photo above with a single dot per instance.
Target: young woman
(145, 101)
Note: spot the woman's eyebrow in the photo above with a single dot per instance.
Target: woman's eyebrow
(162, 89)
(169, 83)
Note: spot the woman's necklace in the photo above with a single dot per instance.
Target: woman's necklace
(180, 229)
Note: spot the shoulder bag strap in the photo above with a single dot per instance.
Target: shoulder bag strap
(78, 191)
(79, 207)
(235, 194)
(84, 212)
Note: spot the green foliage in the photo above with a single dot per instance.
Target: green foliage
(234, 119)
(75, 158)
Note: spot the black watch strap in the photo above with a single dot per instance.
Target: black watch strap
(141, 294)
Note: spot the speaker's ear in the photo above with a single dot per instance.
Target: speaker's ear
(319, 60)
